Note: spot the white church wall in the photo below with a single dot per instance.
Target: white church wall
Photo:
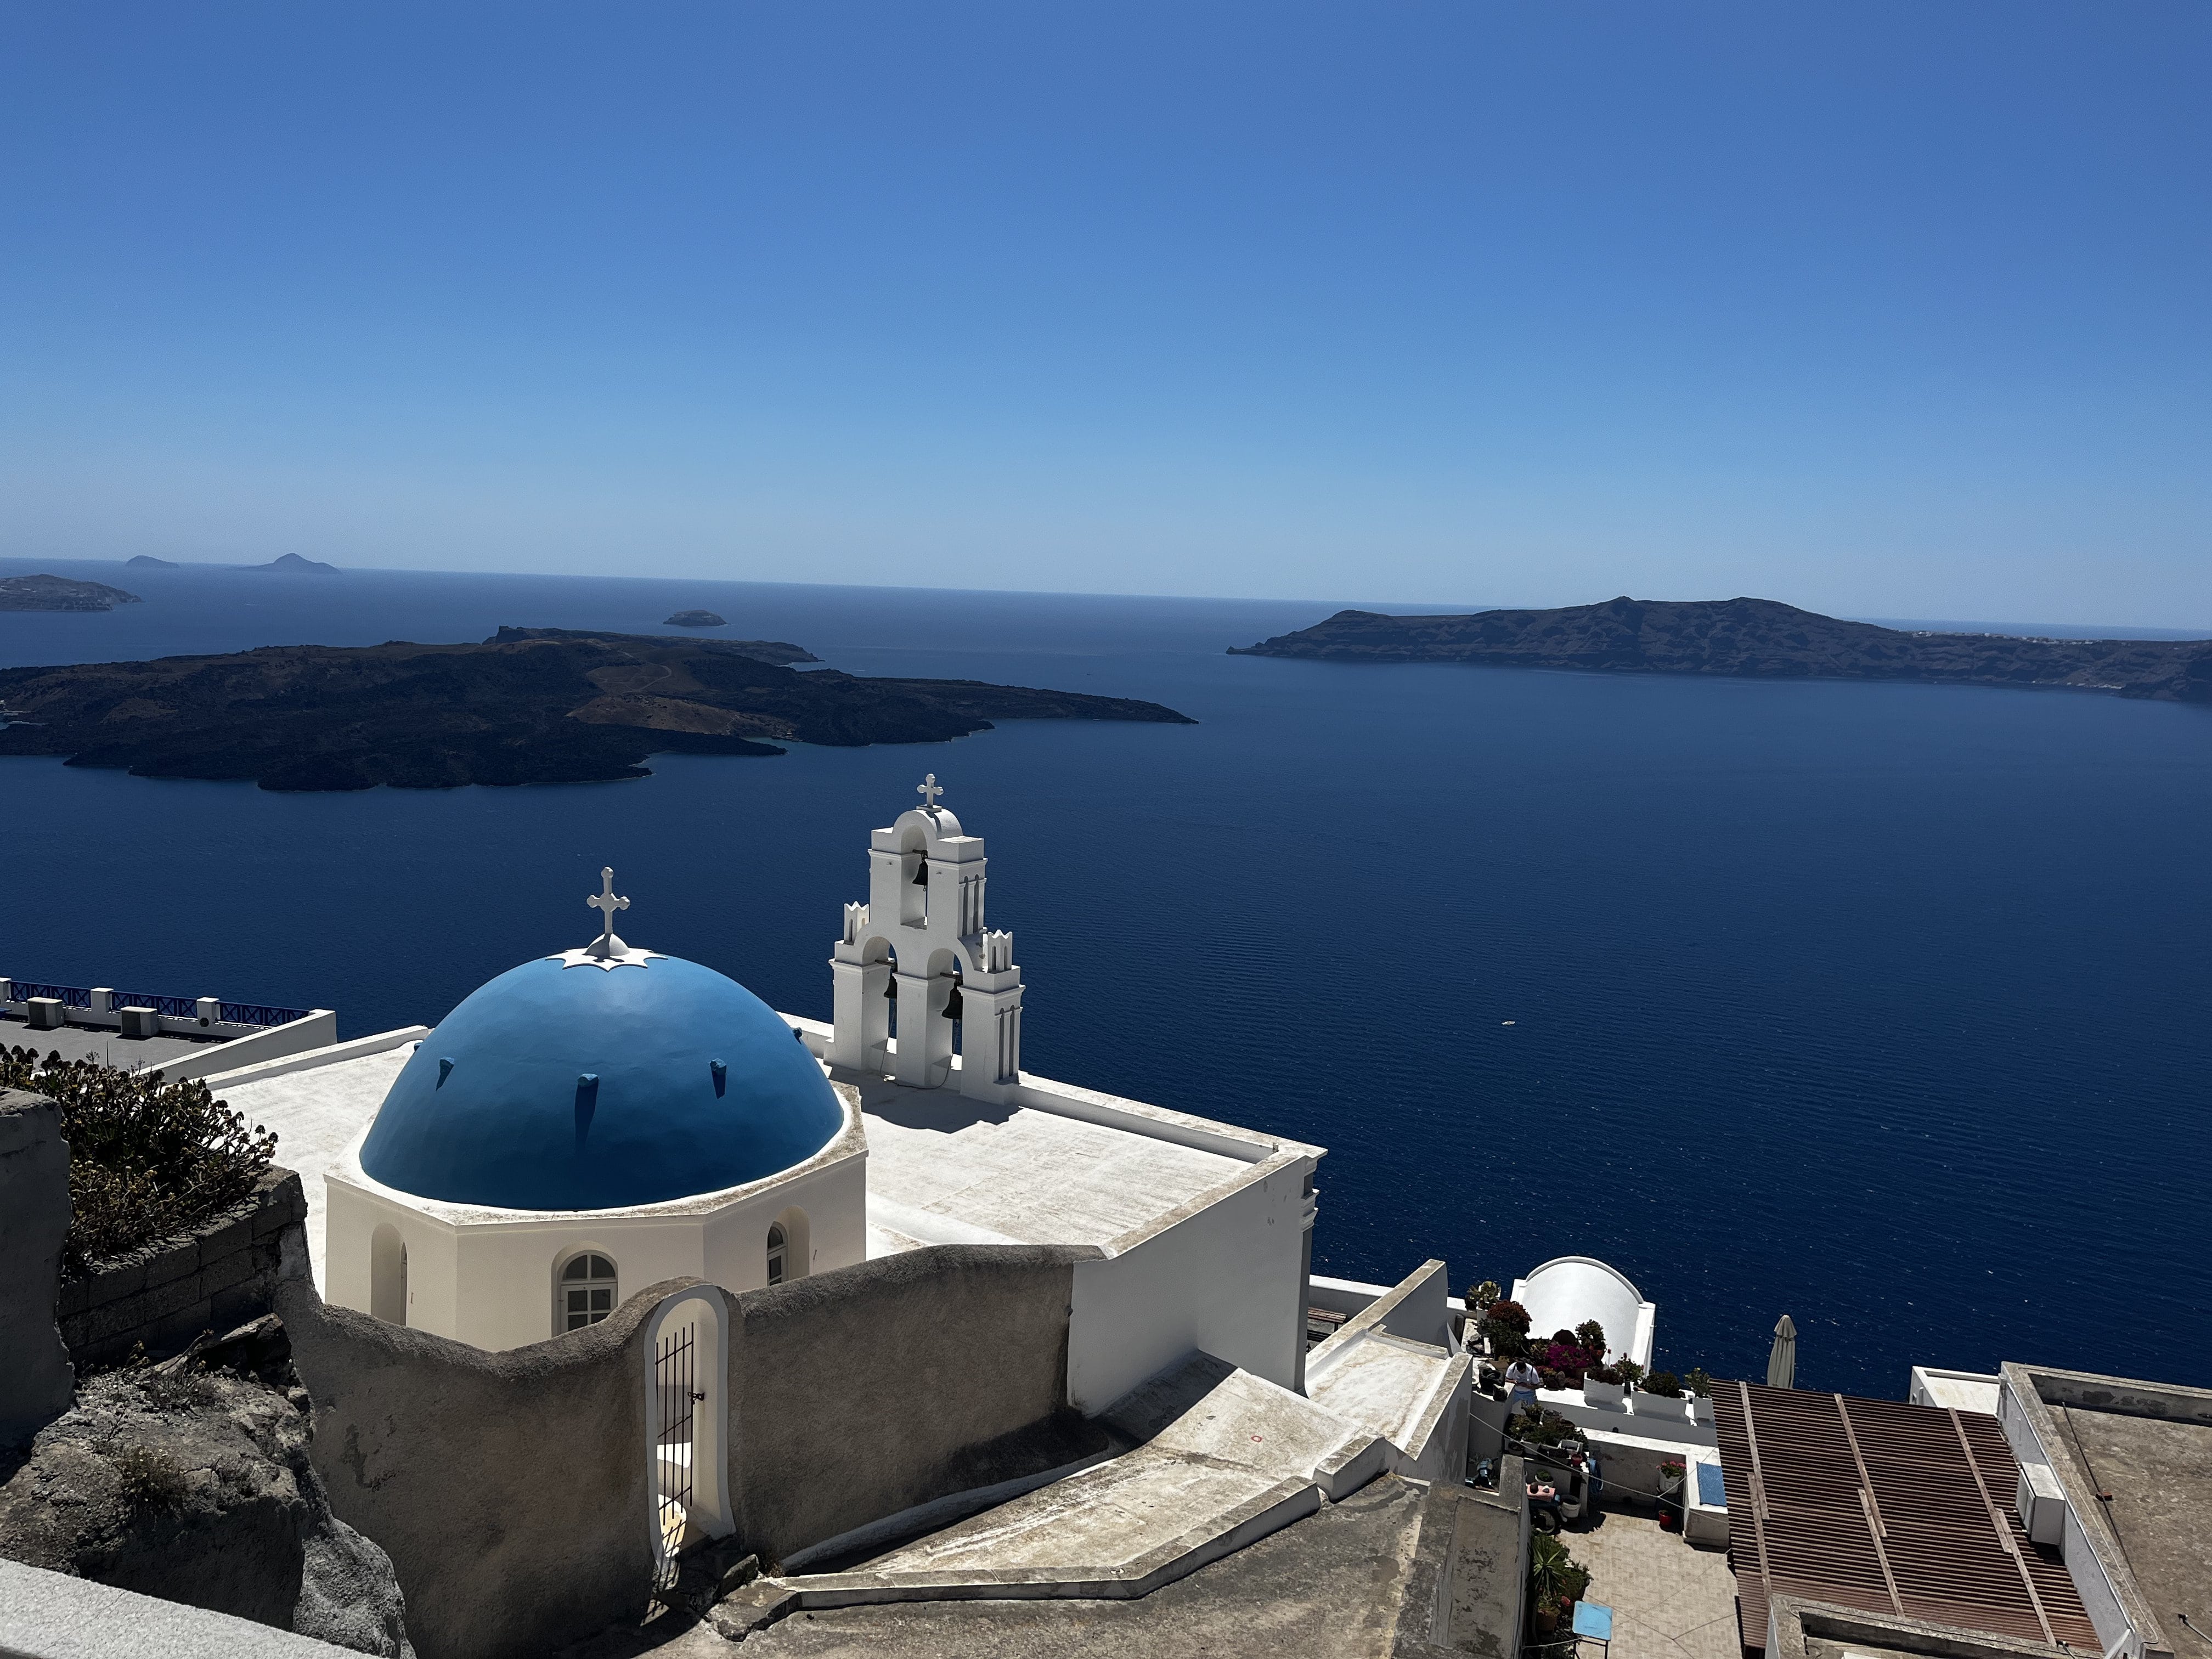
(834, 1200)
(487, 1277)
(352, 1213)
(507, 1269)
(1228, 1278)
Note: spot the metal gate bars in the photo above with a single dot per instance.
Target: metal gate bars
(675, 1380)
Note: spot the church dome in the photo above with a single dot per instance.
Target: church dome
(591, 1083)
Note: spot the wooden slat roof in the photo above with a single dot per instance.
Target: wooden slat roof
(1893, 1508)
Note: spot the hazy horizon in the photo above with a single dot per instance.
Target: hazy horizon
(1879, 309)
(2008, 624)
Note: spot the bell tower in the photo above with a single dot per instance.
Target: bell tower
(920, 945)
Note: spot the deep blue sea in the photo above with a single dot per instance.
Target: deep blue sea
(1887, 1006)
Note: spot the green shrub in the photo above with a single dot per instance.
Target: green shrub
(147, 1159)
(1697, 1383)
(1664, 1384)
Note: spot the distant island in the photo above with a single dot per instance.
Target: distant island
(1752, 638)
(147, 561)
(695, 619)
(291, 564)
(60, 593)
(527, 706)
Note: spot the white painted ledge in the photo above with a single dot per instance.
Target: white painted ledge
(307, 1061)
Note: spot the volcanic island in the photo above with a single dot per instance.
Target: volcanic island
(1760, 639)
(530, 705)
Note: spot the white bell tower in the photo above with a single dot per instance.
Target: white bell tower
(925, 909)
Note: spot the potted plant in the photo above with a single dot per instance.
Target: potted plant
(1505, 1315)
(1545, 1616)
(1603, 1385)
(1700, 1389)
(1660, 1396)
(1556, 1580)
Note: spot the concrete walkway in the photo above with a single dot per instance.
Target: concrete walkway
(1669, 1600)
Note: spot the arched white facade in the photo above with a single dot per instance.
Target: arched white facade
(1568, 1288)
(488, 1276)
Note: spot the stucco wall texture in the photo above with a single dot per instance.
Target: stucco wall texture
(862, 1392)
(36, 1383)
(509, 1489)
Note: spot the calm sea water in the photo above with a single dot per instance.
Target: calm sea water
(1887, 1007)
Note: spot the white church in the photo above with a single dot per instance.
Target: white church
(607, 1117)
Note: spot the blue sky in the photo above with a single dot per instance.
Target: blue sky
(1886, 309)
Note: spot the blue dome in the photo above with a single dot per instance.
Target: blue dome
(581, 1088)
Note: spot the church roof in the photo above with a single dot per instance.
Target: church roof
(600, 1079)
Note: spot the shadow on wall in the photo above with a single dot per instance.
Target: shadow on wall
(510, 1490)
(872, 1388)
(513, 1489)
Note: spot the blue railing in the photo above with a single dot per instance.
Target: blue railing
(252, 1014)
(73, 996)
(230, 1013)
(174, 1007)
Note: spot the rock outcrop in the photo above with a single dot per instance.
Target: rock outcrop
(190, 1481)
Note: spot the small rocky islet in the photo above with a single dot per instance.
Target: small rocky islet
(59, 593)
(530, 705)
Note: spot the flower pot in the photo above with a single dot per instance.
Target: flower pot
(1659, 1408)
(1595, 1393)
(1547, 1619)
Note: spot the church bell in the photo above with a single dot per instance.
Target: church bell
(952, 1002)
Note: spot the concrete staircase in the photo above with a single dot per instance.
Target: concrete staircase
(1223, 1459)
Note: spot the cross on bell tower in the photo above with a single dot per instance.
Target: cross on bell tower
(929, 789)
(607, 903)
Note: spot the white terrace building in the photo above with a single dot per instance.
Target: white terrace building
(600, 1119)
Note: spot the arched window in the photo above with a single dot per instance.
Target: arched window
(587, 1293)
(776, 1248)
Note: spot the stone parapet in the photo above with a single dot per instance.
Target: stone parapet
(216, 1277)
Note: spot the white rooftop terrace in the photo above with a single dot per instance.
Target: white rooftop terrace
(1058, 1165)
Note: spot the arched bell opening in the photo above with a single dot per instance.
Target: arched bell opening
(942, 1009)
(879, 1004)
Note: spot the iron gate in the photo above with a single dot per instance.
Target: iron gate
(675, 1380)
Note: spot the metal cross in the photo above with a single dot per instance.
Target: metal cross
(929, 789)
(606, 904)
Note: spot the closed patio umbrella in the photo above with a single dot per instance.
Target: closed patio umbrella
(1781, 1361)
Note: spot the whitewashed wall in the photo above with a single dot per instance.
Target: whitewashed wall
(1227, 1279)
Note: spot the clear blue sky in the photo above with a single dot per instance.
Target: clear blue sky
(1891, 309)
